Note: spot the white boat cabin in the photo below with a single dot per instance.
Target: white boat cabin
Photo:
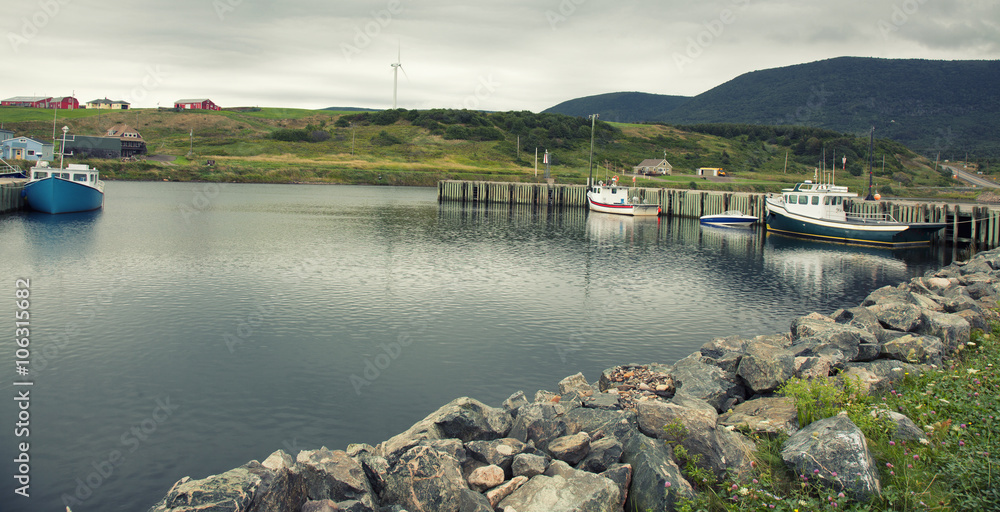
(612, 193)
(80, 173)
(817, 200)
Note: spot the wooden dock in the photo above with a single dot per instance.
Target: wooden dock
(966, 223)
(10, 194)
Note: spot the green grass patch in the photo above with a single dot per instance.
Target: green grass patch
(955, 468)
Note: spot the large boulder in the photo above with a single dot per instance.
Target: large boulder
(710, 383)
(464, 419)
(765, 367)
(576, 384)
(898, 316)
(499, 452)
(333, 475)
(953, 330)
(878, 376)
(232, 491)
(283, 493)
(768, 415)
(600, 423)
(540, 423)
(692, 424)
(915, 349)
(861, 318)
(375, 466)
(604, 453)
(577, 492)
(825, 331)
(570, 449)
(833, 453)
(657, 482)
(426, 480)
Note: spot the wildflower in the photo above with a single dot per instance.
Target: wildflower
(893, 473)
(972, 370)
(924, 441)
(815, 471)
(833, 474)
(744, 491)
(909, 466)
(916, 457)
(841, 495)
(892, 443)
(733, 487)
(755, 481)
(887, 464)
(961, 443)
(667, 484)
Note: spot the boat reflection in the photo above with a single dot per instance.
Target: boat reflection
(608, 229)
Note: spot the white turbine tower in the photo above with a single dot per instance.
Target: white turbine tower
(396, 66)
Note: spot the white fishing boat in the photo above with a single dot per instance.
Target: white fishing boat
(612, 197)
(729, 218)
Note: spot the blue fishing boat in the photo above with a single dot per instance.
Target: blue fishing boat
(76, 188)
(816, 210)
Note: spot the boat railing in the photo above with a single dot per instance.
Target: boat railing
(872, 218)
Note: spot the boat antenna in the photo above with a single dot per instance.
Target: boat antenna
(593, 123)
(871, 155)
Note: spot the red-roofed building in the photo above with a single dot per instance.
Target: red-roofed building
(68, 102)
(64, 102)
(196, 104)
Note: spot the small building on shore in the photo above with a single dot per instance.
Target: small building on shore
(711, 171)
(65, 102)
(654, 166)
(25, 148)
(6, 134)
(196, 104)
(92, 147)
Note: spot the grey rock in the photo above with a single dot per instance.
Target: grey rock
(513, 402)
(837, 448)
(868, 352)
(721, 347)
(861, 318)
(765, 367)
(653, 467)
(903, 428)
(425, 479)
(529, 465)
(463, 418)
(976, 319)
(320, 506)
(878, 376)
(334, 475)
(621, 475)
(694, 377)
(282, 493)
(806, 326)
(604, 453)
(472, 501)
(980, 290)
(976, 266)
(897, 316)
(576, 384)
(886, 295)
(602, 401)
(500, 452)
(600, 423)
(540, 423)
(578, 492)
(375, 466)
(767, 415)
(452, 447)
(952, 329)
(558, 467)
(571, 449)
(813, 367)
(915, 349)
(232, 491)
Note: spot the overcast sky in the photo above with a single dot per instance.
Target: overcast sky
(491, 55)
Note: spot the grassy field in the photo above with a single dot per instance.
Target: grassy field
(240, 143)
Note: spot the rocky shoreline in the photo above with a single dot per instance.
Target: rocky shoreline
(596, 447)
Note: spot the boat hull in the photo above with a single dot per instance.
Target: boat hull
(635, 210)
(732, 221)
(55, 195)
(880, 234)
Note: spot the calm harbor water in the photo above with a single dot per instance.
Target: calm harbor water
(188, 328)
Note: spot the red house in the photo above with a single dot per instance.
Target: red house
(64, 102)
(196, 104)
(27, 101)
(41, 102)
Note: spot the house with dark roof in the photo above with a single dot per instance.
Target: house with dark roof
(132, 141)
(196, 104)
(93, 147)
(6, 134)
(108, 104)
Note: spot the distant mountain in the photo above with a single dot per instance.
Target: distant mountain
(951, 107)
(620, 107)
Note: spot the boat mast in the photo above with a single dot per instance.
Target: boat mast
(593, 123)
(871, 155)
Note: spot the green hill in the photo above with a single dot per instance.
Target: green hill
(620, 107)
(946, 107)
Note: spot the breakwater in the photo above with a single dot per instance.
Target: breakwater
(966, 223)
(603, 445)
(10, 195)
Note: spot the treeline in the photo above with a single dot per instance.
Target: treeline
(553, 131)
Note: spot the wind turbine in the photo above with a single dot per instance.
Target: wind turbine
(396, 66)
